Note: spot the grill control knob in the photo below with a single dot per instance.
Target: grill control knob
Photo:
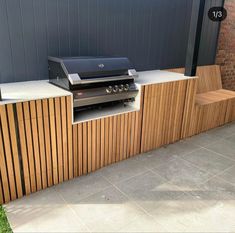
(109, 89)
(126, 87)
(121, 88)
(115, 89)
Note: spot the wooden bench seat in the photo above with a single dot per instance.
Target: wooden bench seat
(213, 105)
(214, 96)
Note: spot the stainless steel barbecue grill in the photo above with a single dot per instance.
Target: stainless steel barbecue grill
(94, 80)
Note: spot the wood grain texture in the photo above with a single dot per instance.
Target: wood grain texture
(64, 137)
(209, 77)
(47, 141)
(189, 120)
(8, 153)
(40, 146)
(29, 145)
(75, 151)
(14, 149)
(33, 116)
(84, 147)
(89, 147)
(24, 152)
(3, 165)
(69, 133)
(59, 138)
(94, 145)
(41, 143)
(163, 111)
(211, 106)
(53, 141)
(99, 143)
(80, 149)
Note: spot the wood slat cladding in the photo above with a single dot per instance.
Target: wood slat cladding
(98, 143)
(164, 112)
(209, 77)
(43, 141)
(11, 186)
(188, 117)
(210, 106)
(40, 147)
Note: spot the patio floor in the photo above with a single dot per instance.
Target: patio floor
(188, 186)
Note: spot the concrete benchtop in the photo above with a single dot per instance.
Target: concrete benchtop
(33, 90)
(159, 76)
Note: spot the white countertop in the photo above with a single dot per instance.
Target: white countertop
(159, 76)
(33, 90)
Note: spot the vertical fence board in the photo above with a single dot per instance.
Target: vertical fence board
(8, 153)
(69, 124)
(59, 138)
(53, 141)
(64, 137)
(3, 166)
(47, 141)
(41, 142)
(33, 116)
(14, 148)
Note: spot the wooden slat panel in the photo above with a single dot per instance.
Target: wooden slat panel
(89, 147)
(64, 137)
(70, 148)
(106, 141)
(29, 146)
(209, 77)
(189, 108)
(114, 139)
(3, 165)
(14, 149)
(41, 143)
(84, 147)
(59, 138)
(33, 116)
(178, 111)
(163, 111)
(102, 142)
(94, 143)
(80, 149)
(8, 153)
(53, 141)
(47, 141)
(125, 131)
(129, 135)
(110, 141)
(150, 117)
(139, 121)
(75, 151)
(145, 115)
(1, 192)
(23, 146)
(133, 129)
(122, 137)
(98, 144)
(118, 138)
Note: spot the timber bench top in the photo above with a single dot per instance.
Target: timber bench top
(33, 90)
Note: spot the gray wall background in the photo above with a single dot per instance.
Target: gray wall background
(152, 33)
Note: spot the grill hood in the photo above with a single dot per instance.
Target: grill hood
(82, 70)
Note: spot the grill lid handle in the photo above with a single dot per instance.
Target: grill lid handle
(74, 79)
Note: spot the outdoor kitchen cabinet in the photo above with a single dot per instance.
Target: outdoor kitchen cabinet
(166, 107)
(42, 144)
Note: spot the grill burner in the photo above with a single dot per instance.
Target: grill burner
(94, 80)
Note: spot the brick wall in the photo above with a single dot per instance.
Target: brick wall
(226, 47)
